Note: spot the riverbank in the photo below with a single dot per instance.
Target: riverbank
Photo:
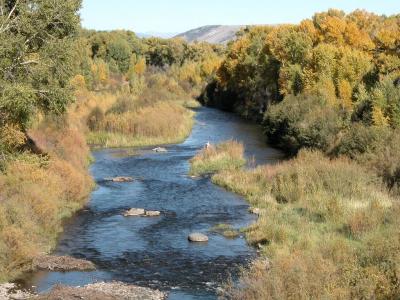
(40, 191)
(326, 227)
(99, 290)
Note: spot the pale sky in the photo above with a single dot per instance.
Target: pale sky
(175, 16)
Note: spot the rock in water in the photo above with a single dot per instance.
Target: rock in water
(152, 213)
(119, 179)
(134, 212)
(61, 263)
(122, 179)
(160, 149)
(197, 237)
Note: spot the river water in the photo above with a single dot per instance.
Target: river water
(155, 252)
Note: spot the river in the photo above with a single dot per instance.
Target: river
(155, 252)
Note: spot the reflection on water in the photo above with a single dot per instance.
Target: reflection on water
(155, 252)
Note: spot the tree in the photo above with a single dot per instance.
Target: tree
(119, 52)
(35, 57)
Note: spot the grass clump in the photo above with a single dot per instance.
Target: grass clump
(329, 227)
(228, 155)
(225, 230)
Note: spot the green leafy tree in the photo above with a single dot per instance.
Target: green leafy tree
(36, 40)
(119, 52)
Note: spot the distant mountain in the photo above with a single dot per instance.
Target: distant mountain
(214, 34)
(164, 35)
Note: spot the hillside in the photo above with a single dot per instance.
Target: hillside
(215, 34)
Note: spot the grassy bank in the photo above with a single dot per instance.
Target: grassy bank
(225, 156)
(38, 192)
(160, 123)
(329, 227)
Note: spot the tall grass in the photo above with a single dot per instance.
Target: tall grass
(329, 227)
(228, 155)
(160, 123)
(39, 191)
(158, 114)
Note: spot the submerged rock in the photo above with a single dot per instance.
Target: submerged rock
(160, 149)
(152, 213)
(134, 212)
(103, 291)
(197, 237)
(61, 263)
(9, 291)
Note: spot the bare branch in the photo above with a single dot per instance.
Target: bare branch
(29, 62)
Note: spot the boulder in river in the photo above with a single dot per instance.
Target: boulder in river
(103, 291)
(134, 212)
(197, 237)
(160, 149)
(152, 213)
(61, 263)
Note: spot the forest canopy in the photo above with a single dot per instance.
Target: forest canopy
(331, 83)
(352, 61)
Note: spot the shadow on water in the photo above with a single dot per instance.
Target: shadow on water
(155, 252)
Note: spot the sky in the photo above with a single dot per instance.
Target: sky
(176, 16)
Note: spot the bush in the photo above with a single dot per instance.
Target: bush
(95, 117)
(359, 139)
(302, 121)
(377, 148)
(385, 159)
(123, 104)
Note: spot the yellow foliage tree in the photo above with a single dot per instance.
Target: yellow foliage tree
(357, 38)
(100, 72)
(345, 94)
(210, 66)
(326, 88)
(140, 66)
(378, 117)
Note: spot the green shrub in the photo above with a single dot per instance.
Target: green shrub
(359, 139)
(302, 121)
(385, 159)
